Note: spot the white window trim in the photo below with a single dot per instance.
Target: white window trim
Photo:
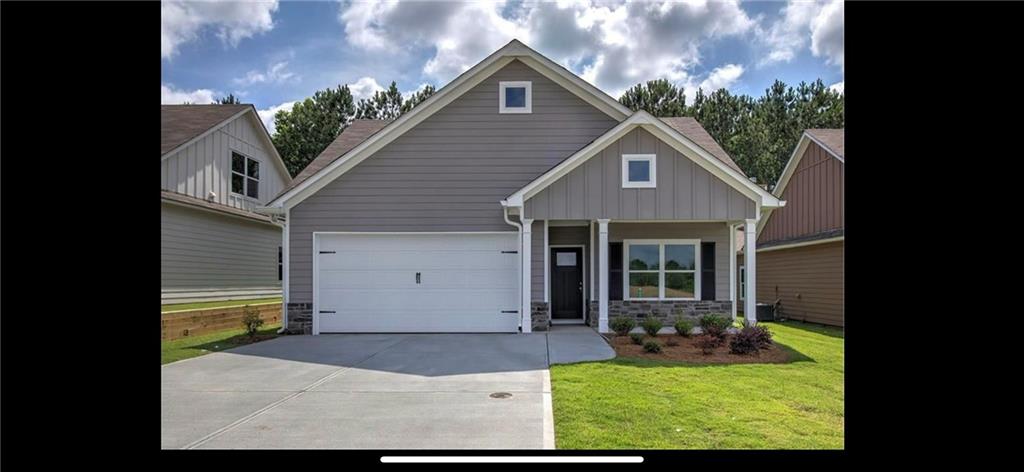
(529, 97)
(245, 176)
(652, 159)
(661, 266)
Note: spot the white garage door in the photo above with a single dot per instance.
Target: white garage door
(417, 283)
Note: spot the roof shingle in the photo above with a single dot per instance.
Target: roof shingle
(357, 132)
(833, 139)
(181, 123)
(692, 129)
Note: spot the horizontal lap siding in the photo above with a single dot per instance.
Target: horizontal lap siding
(684, 189)
(814, 272)
(449, 172)
(537, 262)
(205, 251)
(814, 199)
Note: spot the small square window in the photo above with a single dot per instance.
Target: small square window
(515, 97)
(639, 171)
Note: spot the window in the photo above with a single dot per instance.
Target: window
(245, 175)
(639, 171)
(515, 97)
(662, 269)
(743, 283)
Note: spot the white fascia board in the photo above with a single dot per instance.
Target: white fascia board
(204, 134)
(802, 244)
(790, 169)
(272, 149)
(574, 84)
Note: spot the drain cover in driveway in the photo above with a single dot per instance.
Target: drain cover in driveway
(501, 395)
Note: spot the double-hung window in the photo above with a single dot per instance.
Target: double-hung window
(662, 269)
(245, 175)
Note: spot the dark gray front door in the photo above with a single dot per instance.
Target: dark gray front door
(566, 283)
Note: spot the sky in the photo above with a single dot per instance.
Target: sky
(272, 54)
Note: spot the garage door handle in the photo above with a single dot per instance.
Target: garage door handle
(510, 311)
(510, 252)
(326, 252)
(326, 311)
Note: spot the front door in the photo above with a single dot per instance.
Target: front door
(567, 283)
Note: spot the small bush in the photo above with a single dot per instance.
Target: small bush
(750, 340)
(683, 327)
(652, 347)
(251, 320)
(714, 320)
(651, 325)
(671, 342)
(637, 338)
(622, 325)
(708, 344)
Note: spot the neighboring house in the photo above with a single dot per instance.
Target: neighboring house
(217, 165)
(516, 196)
(800, 247)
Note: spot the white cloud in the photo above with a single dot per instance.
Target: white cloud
(171, 96)
(721, 78)
(267, 115)
(275, 74)
(817, 23)
(616, 45)
(231, 21)
(364, 88)
(838, 87)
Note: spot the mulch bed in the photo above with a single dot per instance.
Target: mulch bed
(687, 351)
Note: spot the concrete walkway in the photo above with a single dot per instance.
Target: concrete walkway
(406, 391)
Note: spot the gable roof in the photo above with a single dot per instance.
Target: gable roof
(691, 128)
(356, 132)
(180, 124)
(671, 136)
(831, 140)
(514, 50)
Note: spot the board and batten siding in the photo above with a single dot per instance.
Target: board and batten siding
(449, 172)
(205, 165)
(808, 280)
(685, 191)
(814, 199)
(202, 252)
(705, 232)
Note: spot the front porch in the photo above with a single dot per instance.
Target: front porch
(586, 272)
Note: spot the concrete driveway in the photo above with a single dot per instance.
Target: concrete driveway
(370, 391)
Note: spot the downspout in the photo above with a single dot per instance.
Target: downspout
(519, 229)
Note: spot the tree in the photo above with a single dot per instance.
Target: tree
(231, 99)
(388, 104)
(312, 124)
(658, 97)
(417, 98)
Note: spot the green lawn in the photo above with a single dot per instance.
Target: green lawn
(221, 304)
(185, 348)
(638, 404)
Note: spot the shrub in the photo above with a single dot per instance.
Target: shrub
(684, 327)
(714, 320)
(708, 344)
(671, 342)
(651, 325)
(251, 320)
(622, 325)
(637, 338)
(652, 347)
(750, 340)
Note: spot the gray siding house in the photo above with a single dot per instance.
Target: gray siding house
(217, 165)
(516, 197)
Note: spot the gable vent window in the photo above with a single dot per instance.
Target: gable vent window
(639, 171)
(245, 175)
(515, 97)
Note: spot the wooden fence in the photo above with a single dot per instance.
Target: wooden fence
(182, 324)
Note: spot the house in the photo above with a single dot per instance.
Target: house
(217, 165)
(516, 197)
(800, 247)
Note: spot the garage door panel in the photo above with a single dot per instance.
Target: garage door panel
(467, 283)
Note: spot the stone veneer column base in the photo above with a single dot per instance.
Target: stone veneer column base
(539, 318)
(665, 310)
(593, 312)
(300, 318)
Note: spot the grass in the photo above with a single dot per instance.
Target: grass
(637, 404)
(220, 304)
(185, 348)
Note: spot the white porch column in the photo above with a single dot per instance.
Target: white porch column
(525, 255)
(732, 267)
(602, 275)
(749, 256)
